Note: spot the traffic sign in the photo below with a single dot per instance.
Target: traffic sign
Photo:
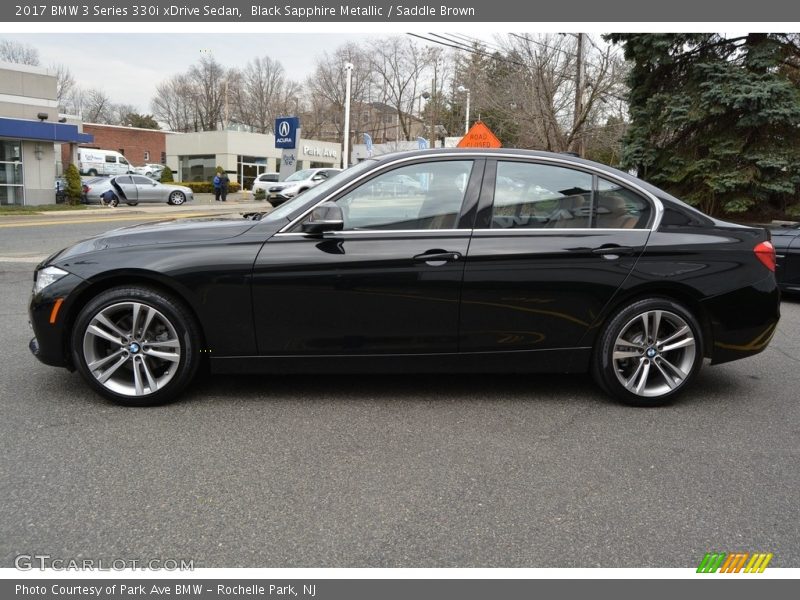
(479, 136)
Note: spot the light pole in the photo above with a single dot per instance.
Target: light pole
(463, 89)
(348, 68)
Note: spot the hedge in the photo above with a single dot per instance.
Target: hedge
(206, 187)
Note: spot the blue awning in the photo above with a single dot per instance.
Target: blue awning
(23, 129)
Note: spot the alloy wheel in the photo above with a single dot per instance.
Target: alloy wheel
(654, 353)
(131, 349)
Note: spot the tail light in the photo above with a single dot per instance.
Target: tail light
(765, 252)
(86, 189)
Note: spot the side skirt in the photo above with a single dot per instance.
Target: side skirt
(573, 360)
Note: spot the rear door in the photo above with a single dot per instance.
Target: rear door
(128, 187)
(552, 245)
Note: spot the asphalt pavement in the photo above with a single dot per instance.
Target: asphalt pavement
(394, 471)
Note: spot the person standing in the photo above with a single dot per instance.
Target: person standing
(217, 186)
(223, 185)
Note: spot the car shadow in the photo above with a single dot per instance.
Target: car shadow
(410, 387)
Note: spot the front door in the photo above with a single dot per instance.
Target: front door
(389, 283)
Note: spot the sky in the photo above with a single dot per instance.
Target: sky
(128, 67)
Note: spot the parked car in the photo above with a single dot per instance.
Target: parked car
(786, 238)
(597, 271)
(61, 190)
(94, 162)
(153, 170)
(132, 189)
(297, 183)
(264, 181)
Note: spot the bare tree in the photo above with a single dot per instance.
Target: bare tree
(400, 63)
(209, 80)
(97, 107)
(326, 92)
(533, 84)
(65, 82)
(174, 104)
(17, 52)
(260, 93)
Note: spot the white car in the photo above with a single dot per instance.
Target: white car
(265, 181)
(153, 170)
(297, 183)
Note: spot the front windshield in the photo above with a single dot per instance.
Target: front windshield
(317, 193)
(300, 175)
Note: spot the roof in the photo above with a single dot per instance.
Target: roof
(42, 130)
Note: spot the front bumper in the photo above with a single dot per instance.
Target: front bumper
(51, 326)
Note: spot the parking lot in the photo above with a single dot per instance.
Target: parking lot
(393, 471)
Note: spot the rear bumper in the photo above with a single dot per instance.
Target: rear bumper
(743, 321)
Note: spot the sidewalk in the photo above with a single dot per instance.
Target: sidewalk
(202, 203)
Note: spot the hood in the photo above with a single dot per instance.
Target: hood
(171, 231)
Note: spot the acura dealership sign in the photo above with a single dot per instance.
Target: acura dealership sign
(286, 132)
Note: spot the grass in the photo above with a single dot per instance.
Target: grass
(11, 209)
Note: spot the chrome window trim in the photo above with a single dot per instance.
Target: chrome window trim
(367, 232)
(656, 202)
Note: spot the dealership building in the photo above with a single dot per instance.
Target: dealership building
(243, 155)
(31, 135)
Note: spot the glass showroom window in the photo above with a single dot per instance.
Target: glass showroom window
(197, 168)
(10, 172)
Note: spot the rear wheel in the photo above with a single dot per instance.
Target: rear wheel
(136, 346)
(132, 203)
(92, 172)
(648, 352)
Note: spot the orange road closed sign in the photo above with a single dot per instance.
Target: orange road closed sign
(479, 136)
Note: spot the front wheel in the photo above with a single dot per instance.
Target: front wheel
(136, 346)
(648, 352)
(176, 198)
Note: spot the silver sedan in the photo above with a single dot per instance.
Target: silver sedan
(132, 189)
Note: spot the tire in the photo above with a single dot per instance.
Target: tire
(130, 366)
(132, 203)
(176, 198)
(648, 373)
(92, 172)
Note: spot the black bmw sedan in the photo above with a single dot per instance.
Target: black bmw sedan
(493, 261)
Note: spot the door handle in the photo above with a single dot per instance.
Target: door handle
(437, 256)
(605, 250)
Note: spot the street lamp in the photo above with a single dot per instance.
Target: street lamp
(463, 89)
(348, 68)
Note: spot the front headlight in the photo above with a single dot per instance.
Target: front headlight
(47, 276)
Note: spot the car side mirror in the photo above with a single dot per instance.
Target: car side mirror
(325, 217)
(317, 178)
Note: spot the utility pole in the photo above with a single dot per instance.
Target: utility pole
(577, 141)
(348, 67)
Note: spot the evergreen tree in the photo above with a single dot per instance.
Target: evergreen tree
(715, 120)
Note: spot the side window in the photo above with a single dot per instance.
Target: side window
(620, 208)
(110, 158)
(537, 196)
(139, 180)
(422, 196)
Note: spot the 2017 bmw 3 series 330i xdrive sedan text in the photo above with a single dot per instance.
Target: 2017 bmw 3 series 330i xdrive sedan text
(493, 261)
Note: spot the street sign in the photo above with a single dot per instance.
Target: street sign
(479, 136)
(286, 132)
